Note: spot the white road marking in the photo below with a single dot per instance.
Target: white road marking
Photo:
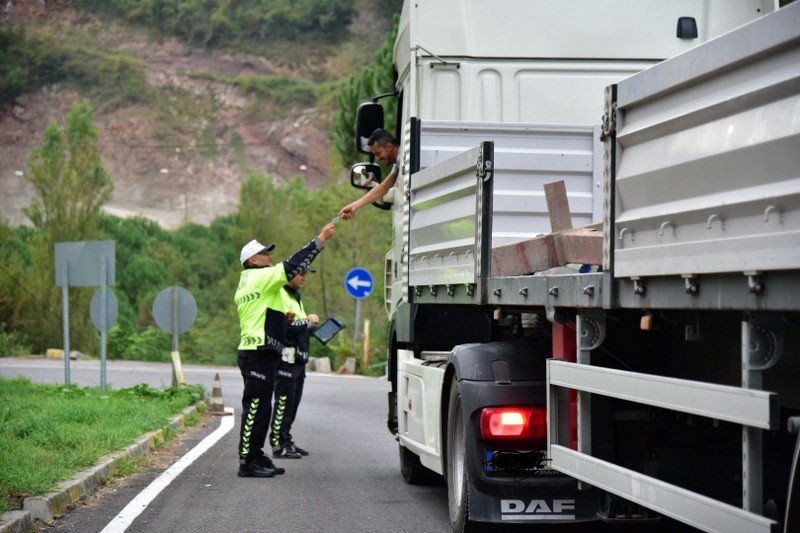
(125, 518)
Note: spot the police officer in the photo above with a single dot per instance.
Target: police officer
(291, 373)
(263, 334)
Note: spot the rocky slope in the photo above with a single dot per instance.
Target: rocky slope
(191, 169)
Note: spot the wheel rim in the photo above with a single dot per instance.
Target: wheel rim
(457, 464)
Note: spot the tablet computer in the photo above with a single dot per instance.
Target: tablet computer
(328, 330)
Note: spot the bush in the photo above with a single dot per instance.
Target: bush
(27, 62)
(152, 344)
(30, 60)
(12, 343)
(224, 23)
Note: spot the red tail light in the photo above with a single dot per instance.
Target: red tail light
(514, 423)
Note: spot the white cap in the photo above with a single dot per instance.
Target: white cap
(252, 248)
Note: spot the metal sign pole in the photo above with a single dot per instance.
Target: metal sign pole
(65, 314)
(103, 319)
(358, 321)
(175, 298)
(174, 336)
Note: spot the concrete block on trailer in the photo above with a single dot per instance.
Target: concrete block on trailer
(580, 245)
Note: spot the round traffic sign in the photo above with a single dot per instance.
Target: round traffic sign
(358, 283)
(174, 306)
(96, 309)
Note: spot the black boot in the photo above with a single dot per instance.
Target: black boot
(267, 463)
(252, 468)
(298, 449)
(287, 453)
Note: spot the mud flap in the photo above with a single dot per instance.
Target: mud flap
(554, 500)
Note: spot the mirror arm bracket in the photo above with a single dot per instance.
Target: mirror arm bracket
(384, 95)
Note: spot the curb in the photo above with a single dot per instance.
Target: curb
(68, 492)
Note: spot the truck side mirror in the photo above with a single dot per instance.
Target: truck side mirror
(369, 117)
(365, 175)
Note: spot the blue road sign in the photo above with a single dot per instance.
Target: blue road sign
(358, 283)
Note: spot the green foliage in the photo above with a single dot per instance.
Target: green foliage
(225, 22)
(27, 62)
(152, 344)
(367, 84)
(33, 58)
(202, 259)
(111, 77)
(280, 91)
(52, 432)
(70, 187)
(205, 260)
(68, 176)
(343, 134)
(195, 257)
(12, 343)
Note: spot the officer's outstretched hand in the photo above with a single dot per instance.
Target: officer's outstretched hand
(314, 319)
(327, 231)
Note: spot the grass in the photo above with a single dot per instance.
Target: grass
(51, 432)
(282, 92)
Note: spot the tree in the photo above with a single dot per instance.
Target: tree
(370, 82)
(69, 179)
(71, 187)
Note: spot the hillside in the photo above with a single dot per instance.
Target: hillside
(192, 122)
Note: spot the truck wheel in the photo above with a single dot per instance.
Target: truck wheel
(792, 519)
(457, 474)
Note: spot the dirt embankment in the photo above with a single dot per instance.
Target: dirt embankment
(190, 169)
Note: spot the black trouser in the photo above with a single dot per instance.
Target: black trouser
(258, 371)
(289, 381)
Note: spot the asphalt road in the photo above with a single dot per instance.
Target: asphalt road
(350, 482)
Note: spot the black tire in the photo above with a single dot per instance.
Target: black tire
(792, 518)
(412, 470)
(457, 473)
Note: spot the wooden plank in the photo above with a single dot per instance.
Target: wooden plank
(555, 195)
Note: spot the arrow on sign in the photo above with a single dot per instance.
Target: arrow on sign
(357, 282)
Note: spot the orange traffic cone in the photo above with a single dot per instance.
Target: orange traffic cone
(217, 405)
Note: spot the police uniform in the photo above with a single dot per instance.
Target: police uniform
(263, 333)
(290, 376)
